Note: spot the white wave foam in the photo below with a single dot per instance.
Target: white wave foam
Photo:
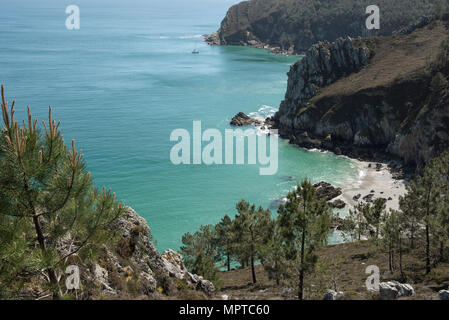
(263, 112)
(190, 36)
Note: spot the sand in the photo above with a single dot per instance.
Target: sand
(380, 183)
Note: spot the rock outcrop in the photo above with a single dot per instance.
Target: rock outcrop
(444, 294)
(339, 204)
(323, 64)
(392, 290)
(133, 268)
(333, 295)
(422, 22)
(241, 119)
(325, 191)
(370, 98)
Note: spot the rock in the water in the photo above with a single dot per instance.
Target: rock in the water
(241, 119)
(444, 294)
(392, 290)
(333, 295)
(212, 39)
(339, 204)
(325, 191)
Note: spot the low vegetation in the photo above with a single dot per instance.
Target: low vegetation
(410, 244)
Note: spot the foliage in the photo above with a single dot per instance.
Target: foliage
(49, 209)
(305, 223)
(204, 266)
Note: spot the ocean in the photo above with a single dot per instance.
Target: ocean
(127, 78)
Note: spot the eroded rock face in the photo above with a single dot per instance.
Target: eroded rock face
(175, 266)
(323, 64)
(136, 258)
(401, 119)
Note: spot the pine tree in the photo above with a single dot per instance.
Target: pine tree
(204, 240)
(426, 191)
(251, 227)
(410, 205)
(373, 215)
(355, 224)
(305, 224)
(225, 240)
(440, 224)
(47, 199)
(392, 237)
(275, 260)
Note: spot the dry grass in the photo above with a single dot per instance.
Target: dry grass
(343, 269)
(396, 58)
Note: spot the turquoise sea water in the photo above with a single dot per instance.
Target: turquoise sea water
(127, 78)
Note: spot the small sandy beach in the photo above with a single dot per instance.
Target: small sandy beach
(376, 181)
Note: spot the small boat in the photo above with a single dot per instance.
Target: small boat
(195, 51)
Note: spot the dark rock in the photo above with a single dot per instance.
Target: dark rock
(305, 140)
(356, 197)
(242, 119)
(337, 151)
(339, 204)
(368, 197)
(443, 294)
(325, 191)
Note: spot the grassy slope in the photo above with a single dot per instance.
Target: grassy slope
(396, 58)
(345, 266)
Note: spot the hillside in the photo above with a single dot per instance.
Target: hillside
(342, 268)
(294, 25)
(388, 104)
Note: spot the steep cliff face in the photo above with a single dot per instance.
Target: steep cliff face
(323, 64)
(370, 98)
(294, 25)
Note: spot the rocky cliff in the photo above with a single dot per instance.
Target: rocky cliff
(292, 26)
(371, 98)
(129, 267)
